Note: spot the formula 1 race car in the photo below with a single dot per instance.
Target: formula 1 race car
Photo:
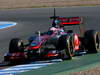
(55, 43)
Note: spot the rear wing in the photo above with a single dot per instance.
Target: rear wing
(69, 21)
(65, 21)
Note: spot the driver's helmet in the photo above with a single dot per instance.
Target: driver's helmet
(54, 29)
(56, 21)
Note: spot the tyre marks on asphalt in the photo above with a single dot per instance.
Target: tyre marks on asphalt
(27, 67)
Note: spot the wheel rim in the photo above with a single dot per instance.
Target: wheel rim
(71, 48)
(97, 42)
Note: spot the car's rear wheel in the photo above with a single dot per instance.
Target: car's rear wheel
(16, 45)
(92, 41)
(64, 47)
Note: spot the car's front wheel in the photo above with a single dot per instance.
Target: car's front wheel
(16, 45)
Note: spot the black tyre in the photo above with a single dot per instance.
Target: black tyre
(92, 41)
(16, 45)
(64, 47)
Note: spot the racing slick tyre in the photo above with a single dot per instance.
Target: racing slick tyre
(64, 47)
(92, 41)
(16, 45)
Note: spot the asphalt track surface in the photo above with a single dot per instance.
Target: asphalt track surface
(31, 20)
